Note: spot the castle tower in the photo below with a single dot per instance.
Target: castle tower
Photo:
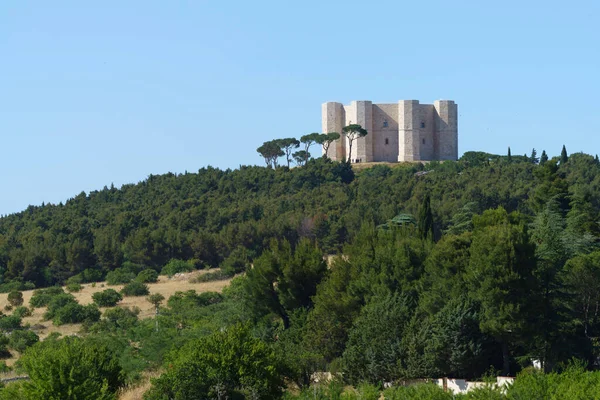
(409, 143)
(333, 120)
(361, 113)
(446, 129)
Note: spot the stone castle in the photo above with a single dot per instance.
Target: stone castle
(403, 131)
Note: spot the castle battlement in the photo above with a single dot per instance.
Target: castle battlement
(403, 131)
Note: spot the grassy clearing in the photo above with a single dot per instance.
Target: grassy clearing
(136, 392)
(164, 286)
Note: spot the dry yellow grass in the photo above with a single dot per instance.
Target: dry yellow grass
(164, 286)
(136, 392)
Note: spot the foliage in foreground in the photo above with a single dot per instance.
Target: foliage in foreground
(229, 364)
(68, 369)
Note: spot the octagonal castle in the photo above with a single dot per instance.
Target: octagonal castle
(403, 131)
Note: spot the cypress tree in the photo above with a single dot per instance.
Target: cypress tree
(563, 155)
(426, 219)
(509, 156)
(534, 159)
(544, 157)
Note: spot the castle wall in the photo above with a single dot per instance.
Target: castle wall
(385, 132)
(426, 126)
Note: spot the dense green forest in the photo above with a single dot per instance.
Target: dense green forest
(460, 269)
(205, 216)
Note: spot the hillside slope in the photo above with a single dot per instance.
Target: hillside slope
(205, 216)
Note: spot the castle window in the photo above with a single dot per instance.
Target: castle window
(385, 124)
(422, 124)
(423, 141)
(387, 141)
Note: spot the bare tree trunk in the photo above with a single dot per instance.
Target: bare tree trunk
(349, 150)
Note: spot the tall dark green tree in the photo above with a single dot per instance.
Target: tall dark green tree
(284, 279)
(543, 158)
(550, 324)
(500, 277)
(425, 222)
(534, 159)
(375, 342)
(563, 155)
(509, 156)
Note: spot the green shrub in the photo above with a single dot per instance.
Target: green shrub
(107, 298)
(91, 370)
(487, 392)
(368, 392)
(418, 392)
(73, 313)
(115, 319)
(22, 312)
(74, 279)
(135, 289)
(180, 301)
(4, 353)
(42, 297)
(86, 276)
(57, 302)
(574, 383)
(147, 276)
(4, 368)
(74, 287)
(15, 298)
(9, 323)
(64, 309)
(176, 266)
(218, 275)
(231, 362)
(21, 340)
(119, 276)
(91, 275)
(133, 267)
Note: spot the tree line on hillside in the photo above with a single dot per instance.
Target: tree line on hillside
(214, 217)
(272, 150)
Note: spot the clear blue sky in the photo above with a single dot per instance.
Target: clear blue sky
(109, 93)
